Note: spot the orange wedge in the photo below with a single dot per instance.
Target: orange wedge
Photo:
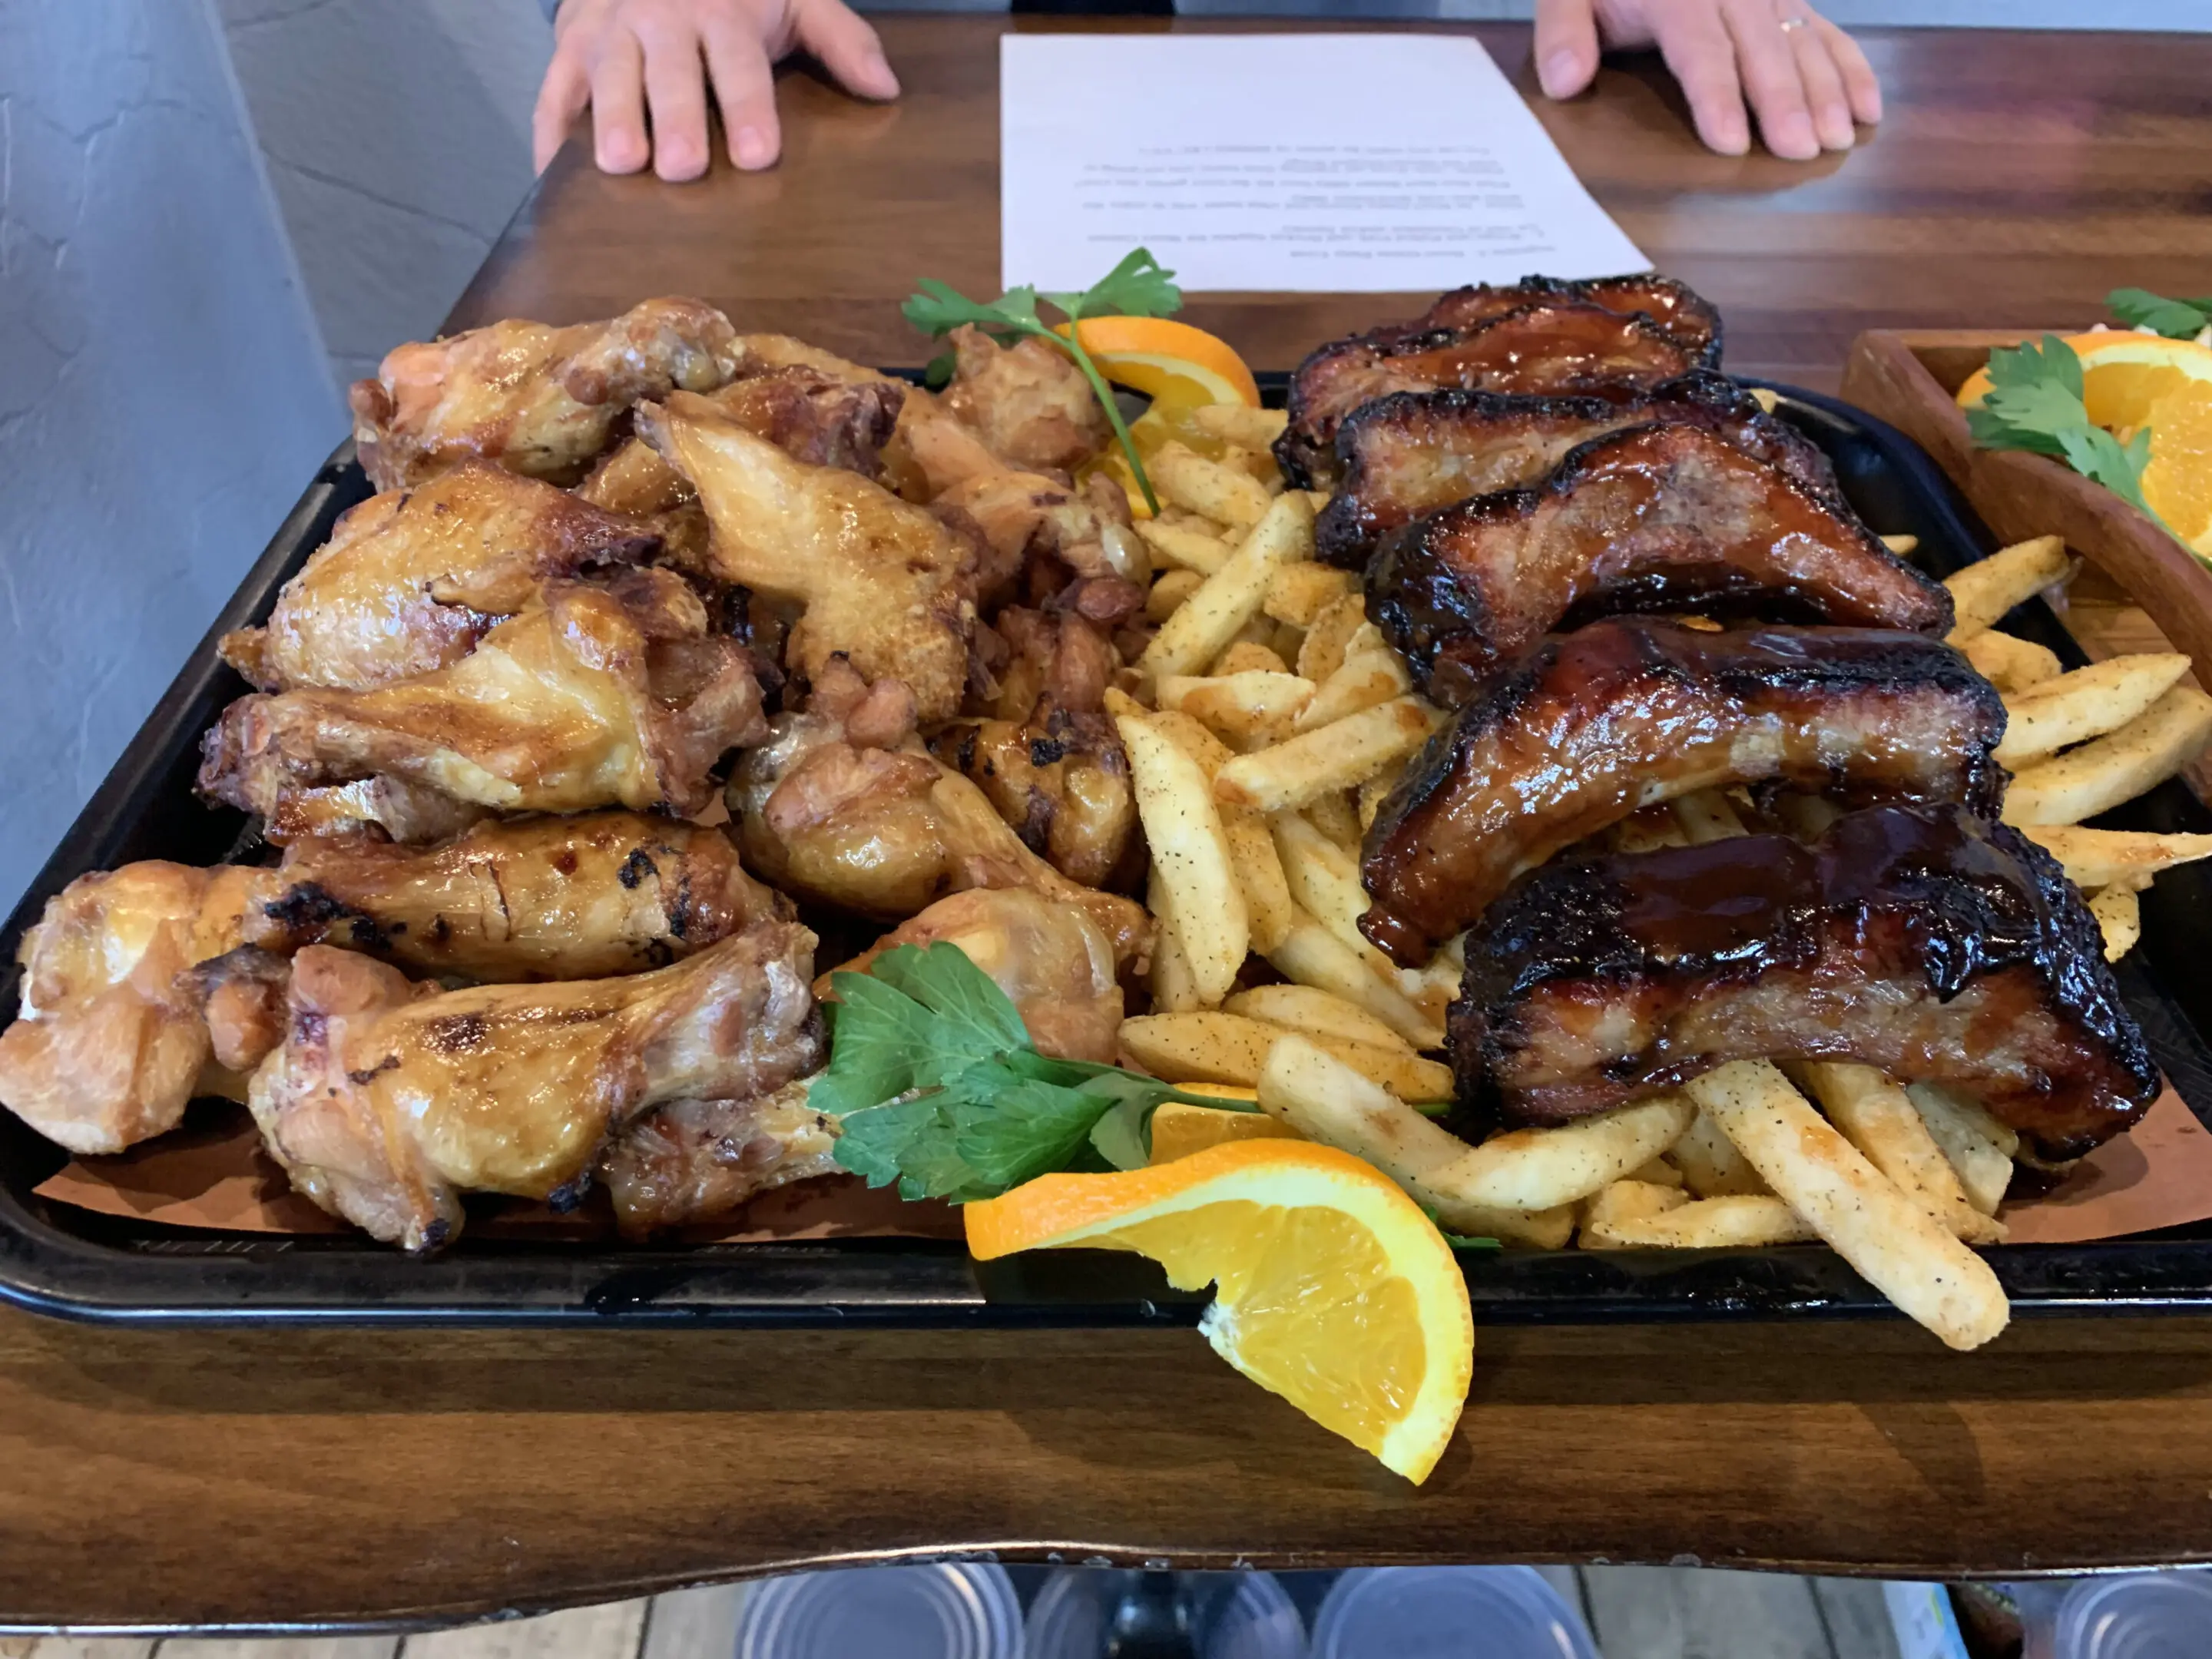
(1333, 1289)
(1169, 361)
(1180, 1129)
(2178, 482)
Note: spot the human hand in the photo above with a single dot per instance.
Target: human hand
(624, 56)
(1806, 78)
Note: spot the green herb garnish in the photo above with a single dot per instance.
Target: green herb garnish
(1138, 287)
(2034, 403)
(937, 1087)
(2178, 319)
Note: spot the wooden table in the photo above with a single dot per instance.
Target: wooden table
(152, 1476)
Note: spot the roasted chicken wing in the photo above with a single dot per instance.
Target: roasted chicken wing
(386, 1101)
(535, 400)
(112, 1041)
(1028, 402)
(881, 581)
(543, 898)
(692, 1160)
(843, 806)
(412, 578)
(612, 694)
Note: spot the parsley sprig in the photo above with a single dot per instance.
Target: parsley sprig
(938, 1087)
(1138, 287)
(2034, 403)
(2178, 319)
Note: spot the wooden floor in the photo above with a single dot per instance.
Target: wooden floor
(1635, 1613)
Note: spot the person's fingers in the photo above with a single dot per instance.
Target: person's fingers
(737, 58)
(561, 100)
(847, 47)
(618, 103)
(1566, 47)
(676, 90)
(1702, 58)
(1771, 78)
(1823, 88)
(1861, 85)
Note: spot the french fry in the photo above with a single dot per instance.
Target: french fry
(1324, 882)
(1298, 593)
(1201, 629)
(1336, 815)
(2106, 858)
(2118, 767)
(1433, 988)
(1649, 830)
(1208, 1047)
(1880, 1119)
(2008, 663)
(1710, 1165)
(1248, 711)
(1740, 1222)
(1658, 1171)
(1902, 545)
(1224, 493)
(1985, 590)
(1183, 547)
(1537, 1169)
(1327, 634)
(1706, 815)
(1192, 854)
(1626, 1201)
(2084, 704)
(1765, 398)
(1240, 424)
(1376, 790)
(1174, 990)
(1304, 1009)
(1168, 593)
(1327, 1101)
(1267, 904)
(1250, 657)
(1364, 680)
(1118, 703)
(2118, 912)
(1978, 1147)
(1895, 1245)
(1311, 955)
(1338, 756)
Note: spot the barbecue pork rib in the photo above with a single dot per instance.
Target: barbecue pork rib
(1403, 457)
(1680, 313)
(410, 580)
(1919, 940)
(386, 1101)
(1628, 712)
(1664, 517)
(1545, 349)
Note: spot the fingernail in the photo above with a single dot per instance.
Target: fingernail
(881, 80)
(1731, 137)
(1558, 73)
(1793, 139)
(752, 148)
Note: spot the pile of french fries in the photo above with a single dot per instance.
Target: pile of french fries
(1265, 724)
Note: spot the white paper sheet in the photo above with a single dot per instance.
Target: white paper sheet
(1304, 163)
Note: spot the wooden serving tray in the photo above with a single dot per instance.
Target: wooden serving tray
(1911, 378)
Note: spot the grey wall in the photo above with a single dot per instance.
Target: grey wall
(397, 135)
(162, 389)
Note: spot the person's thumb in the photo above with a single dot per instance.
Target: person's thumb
(1566, 46)
(847, 47)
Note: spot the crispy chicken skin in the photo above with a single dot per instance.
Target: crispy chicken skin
(387, 1101)
(611, 695)
(1546, 349)
(1667, 517)
(1028, 402)
(843, 806)
(412, 578)
(820, 419)
(1919, 941)
(1407, 455)
(1051, 960)
(1626, 713)
(542, 898)
(112, 1041)
(1680, 312)
(532, 398)
(692, 1160)
(413, 813)
(883, 582)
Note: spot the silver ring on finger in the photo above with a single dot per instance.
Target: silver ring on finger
(1790, 23)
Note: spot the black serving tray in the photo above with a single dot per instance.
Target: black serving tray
(56, 1259)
